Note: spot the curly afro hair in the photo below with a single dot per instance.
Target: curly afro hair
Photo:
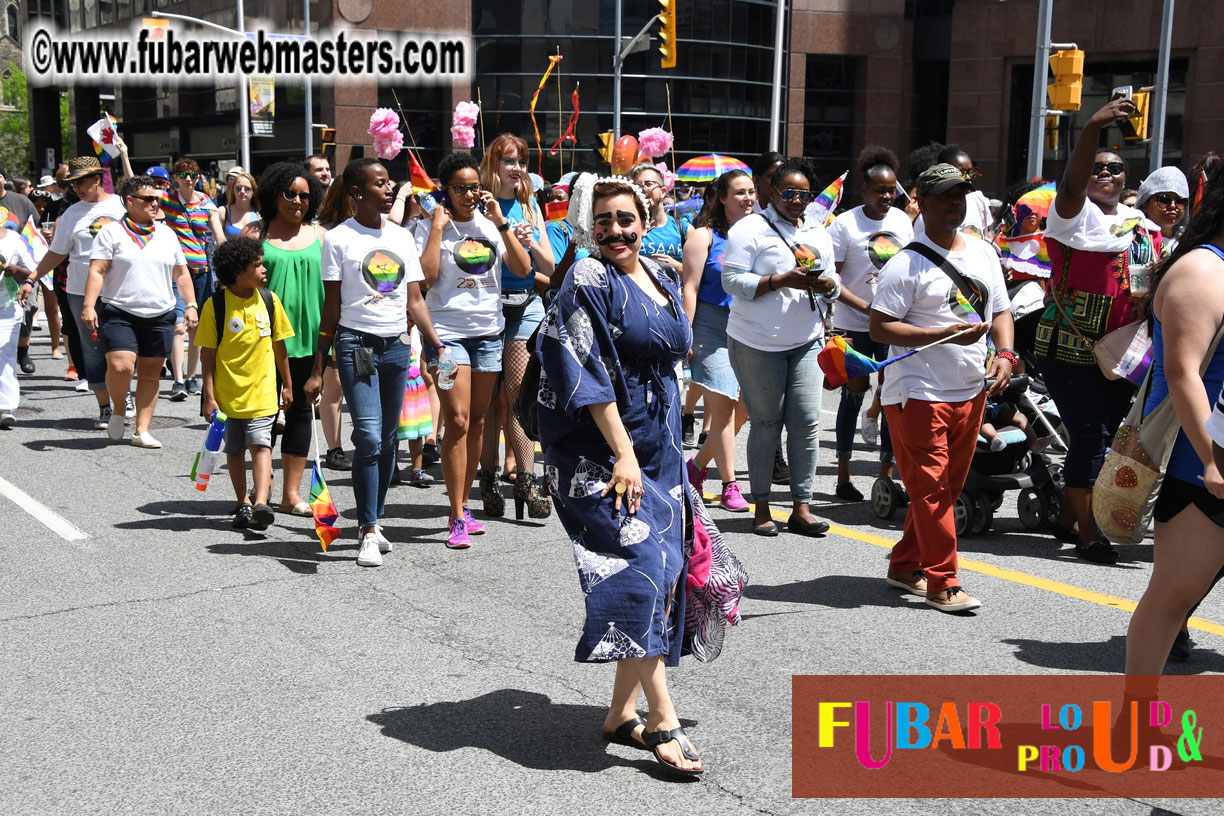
(873, 158)
(233, 257)
(452, 164)
(276, 180)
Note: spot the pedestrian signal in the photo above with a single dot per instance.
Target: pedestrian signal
(1068, 67)
(1051, 132)
(329, 141)
(606, 140)
(667, 33)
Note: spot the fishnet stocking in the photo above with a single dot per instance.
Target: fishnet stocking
(514, 366)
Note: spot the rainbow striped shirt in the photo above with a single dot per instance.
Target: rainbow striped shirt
(190, 224)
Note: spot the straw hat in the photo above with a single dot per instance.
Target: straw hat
(82, 166)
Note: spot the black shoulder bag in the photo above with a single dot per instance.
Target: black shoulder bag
(970, 292)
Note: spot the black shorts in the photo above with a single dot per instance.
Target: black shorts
(1176, 496)
(146, 336)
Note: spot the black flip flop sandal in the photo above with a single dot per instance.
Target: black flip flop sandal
(657, 738)
(623, 735)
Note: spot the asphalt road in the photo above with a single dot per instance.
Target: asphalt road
(164, 663)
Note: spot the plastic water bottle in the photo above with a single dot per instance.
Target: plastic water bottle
(202, 469)
(447, 370)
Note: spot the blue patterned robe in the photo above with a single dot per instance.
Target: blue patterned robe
(604, 340)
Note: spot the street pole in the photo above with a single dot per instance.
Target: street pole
(617, 63)
(1160, 95)
(1036, 144)
(309, 90)
(244, 103)
(775, 103)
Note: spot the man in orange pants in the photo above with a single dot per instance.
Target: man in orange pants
(945, 285)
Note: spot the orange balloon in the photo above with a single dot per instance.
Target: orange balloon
(624, 154)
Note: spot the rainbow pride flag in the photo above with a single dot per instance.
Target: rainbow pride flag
(322, 508)
(1026, 254)
(556, 210)
(841, 363)
(34, 240)
(102, 133)
(823, 205)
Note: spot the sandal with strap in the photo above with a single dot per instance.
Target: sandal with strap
(623, 735)
(658, 738)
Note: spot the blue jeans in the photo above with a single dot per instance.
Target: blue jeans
(91, 348)
(780, 387)
(374, 403)
(850, 405)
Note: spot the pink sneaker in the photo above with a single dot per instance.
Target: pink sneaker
(732, 501)
(458, 538)
(474, 527)
(696, 475)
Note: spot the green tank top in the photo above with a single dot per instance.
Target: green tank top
(296, 276)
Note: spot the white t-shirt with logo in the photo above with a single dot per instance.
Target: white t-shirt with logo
(374, 267)
(783, 319)
(977, 214)
(75, 232)
(1091, 230)
(139, 280)
(465, 300)
(862, 246)
(919, 293)
(12, 251)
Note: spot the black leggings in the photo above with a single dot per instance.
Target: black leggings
(70, 330)
(298, 419)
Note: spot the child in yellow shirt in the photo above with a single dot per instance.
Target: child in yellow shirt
(242, 335)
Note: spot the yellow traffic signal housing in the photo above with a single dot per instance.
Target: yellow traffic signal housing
(329, 141)
(1068, 67)
(1051, 132)
(606, 140)
(667, 33)
(1135, 126)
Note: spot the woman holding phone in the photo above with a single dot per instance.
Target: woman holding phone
(462, 245)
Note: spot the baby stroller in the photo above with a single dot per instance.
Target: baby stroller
(1036, 475)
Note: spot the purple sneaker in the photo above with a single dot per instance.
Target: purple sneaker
(474, 527)
(732, 501)
(696, 475)
(458, 538)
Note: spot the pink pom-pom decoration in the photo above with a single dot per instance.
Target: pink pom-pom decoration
(388, 146)
(463, 135)
(414, 372)
(384, 121)
(466, 114)
(654, 142)
(669, 178)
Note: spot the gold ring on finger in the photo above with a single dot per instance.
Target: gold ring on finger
(620, 487)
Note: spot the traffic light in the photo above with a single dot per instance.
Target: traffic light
(1135, 126)
(1068, 67)
(667, 33)
(329, 141)
(605, 139)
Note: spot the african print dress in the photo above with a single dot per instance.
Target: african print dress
(605, 340)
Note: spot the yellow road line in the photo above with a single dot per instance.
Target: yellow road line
(1037, 582)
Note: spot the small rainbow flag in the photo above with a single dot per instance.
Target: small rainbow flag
(841, 363)
(1038, 200)
(102, 132)
(34, 240)
(420, 180)
(1026, 254)
(822, 207)
(322, 508)
(556, 210)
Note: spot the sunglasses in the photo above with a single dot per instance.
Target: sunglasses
(650, 185)
(82, 181)
(970, 174)
(245, 190)
(467, 189)
(290, 195)
(1167, 200)
(188, 176)
(514, 162)
(1114, 168)
(149, 199)
(791, 194)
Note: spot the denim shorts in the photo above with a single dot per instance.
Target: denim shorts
(241, 434)
(482, 354)
(521, 321)
(711, 365)
(203, 287)
(146, 336)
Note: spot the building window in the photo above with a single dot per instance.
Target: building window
(9, 98)
(11, 19)
(829, 114)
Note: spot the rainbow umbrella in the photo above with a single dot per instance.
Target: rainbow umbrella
(1038, 200)
(705, 169)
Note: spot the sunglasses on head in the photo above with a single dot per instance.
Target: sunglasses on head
(291, 195)
(792, 194)
(1115, 168)
(1169, 200)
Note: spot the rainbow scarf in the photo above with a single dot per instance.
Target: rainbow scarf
(322, 508)
(1026, 254)
(141, 234)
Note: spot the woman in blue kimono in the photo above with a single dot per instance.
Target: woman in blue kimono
(609, 419)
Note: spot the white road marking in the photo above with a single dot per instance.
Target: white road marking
(52, 520)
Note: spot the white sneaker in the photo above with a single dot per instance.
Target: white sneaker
(997, 444)
(384, 546)
(142, 440)
(7, 420)
(114, 428)
(870, 430)
(129, 406)
(369, 555)
(82, 385)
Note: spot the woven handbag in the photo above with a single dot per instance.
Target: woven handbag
(1128, 485)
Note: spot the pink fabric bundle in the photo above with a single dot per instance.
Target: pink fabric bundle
(384, 127)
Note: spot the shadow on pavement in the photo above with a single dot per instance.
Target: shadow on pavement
(296, 556)
(525, 727)
(836, 591)
(1108, 656)
(68, 443)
